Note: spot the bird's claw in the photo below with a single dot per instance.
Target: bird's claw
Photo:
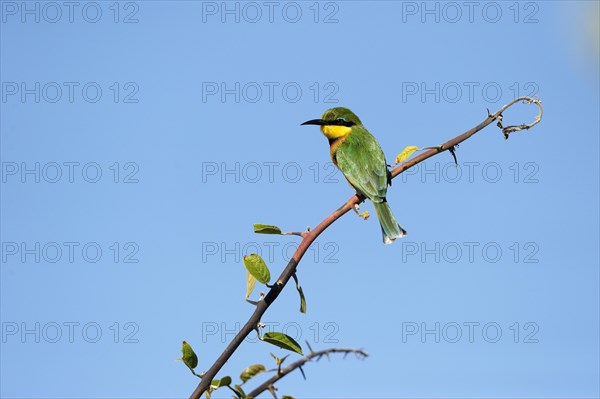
(365, 214)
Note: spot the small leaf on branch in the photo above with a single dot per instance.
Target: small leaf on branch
(301, 292)
(407, 152)
(252, 371)
(250, 283)
(283, 341)
(223, 382)
(188, 356)
(279, 361)
(239, 390)
(257, 267)
(266, 229)
(302, 300)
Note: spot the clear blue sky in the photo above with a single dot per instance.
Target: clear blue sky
(141, 141)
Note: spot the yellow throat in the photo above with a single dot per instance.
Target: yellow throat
(335, 132)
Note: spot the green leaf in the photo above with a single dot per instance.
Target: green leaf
(301, 292)
(239, 390)
(266, 229)
(250, 283)
(223, 382)
(283, 341)
(274, 357)
(302, 299)
(188, 356)
(257, 267)
(252, 371)
(407, 152)
(279, 361)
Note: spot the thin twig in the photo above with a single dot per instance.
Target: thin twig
(298, 365)
(450, 144)
(309, 237)
(298, 233)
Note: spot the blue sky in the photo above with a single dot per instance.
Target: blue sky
(140, 141)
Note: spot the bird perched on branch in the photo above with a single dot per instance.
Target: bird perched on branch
(359, 157)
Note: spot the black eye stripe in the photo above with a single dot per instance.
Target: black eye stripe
(340, 122)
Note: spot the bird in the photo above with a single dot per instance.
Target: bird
(357, 154)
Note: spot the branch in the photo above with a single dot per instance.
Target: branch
(451, 144)
(310, 236)
(298, 364)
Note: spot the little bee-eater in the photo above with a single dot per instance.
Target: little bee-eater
(358, 155)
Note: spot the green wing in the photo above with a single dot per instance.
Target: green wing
(362, 161)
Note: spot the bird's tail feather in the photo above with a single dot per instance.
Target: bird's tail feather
(389, 226)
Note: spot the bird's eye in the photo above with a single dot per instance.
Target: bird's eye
(341, 120)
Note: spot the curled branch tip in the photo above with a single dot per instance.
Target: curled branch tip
(507, 130)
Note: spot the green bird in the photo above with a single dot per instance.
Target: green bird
(359, 157)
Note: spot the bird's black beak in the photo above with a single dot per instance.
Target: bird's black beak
(319, 122)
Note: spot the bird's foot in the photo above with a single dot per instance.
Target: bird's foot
(365, 214)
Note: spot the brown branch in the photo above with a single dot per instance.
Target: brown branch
(310, 236)
(298, 364)
(450, 144)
